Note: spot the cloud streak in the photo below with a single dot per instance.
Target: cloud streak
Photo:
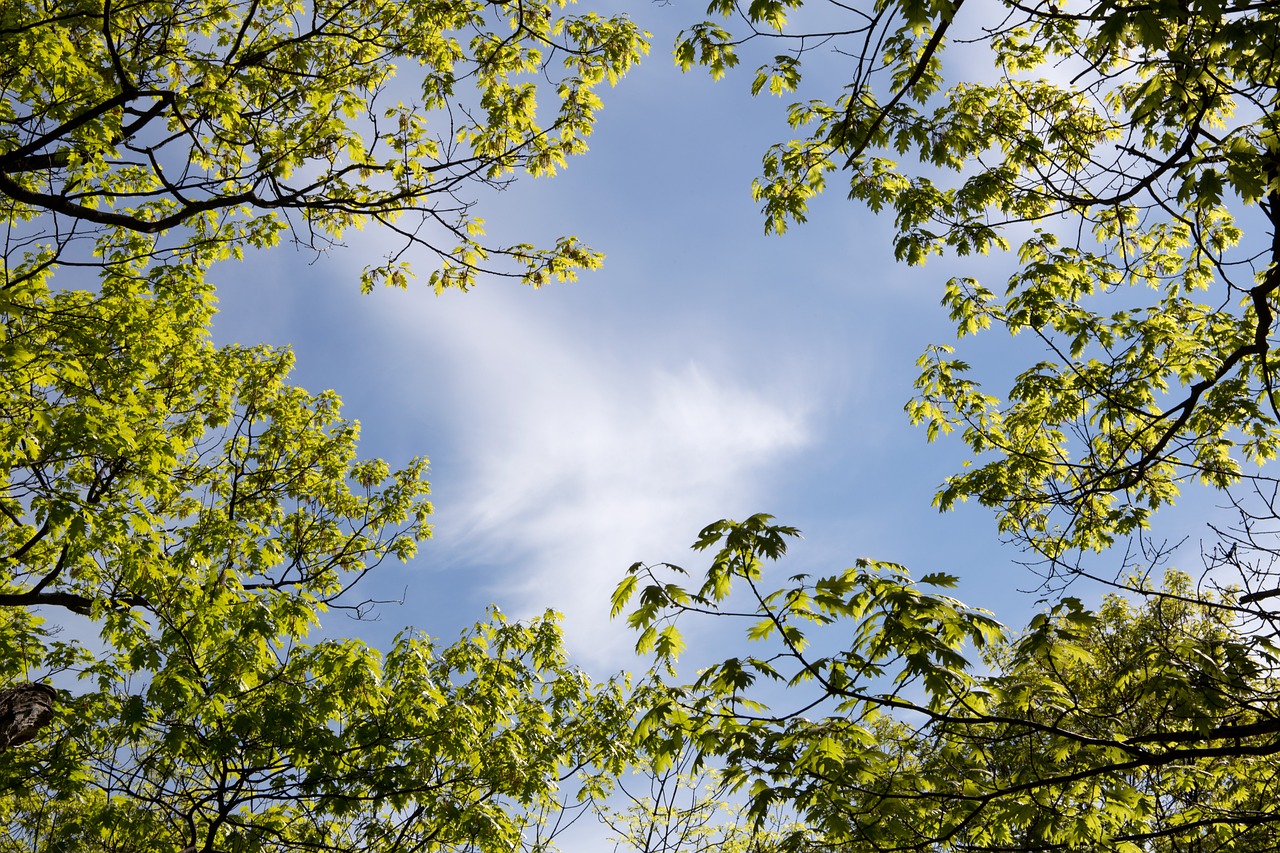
(571, 461)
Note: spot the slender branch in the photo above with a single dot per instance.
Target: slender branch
(15, 160)
(921, 65)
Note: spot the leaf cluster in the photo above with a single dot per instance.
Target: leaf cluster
(913, 722)
(1127, 151)
(226, 124)
(179, 520)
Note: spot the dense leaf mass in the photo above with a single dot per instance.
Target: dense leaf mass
(1128, 152)
(1127, 156)
(876, 713)
(235, 121)
(176, 518)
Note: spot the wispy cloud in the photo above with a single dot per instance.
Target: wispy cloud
(575, 455)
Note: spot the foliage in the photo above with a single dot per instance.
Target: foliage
(672, 808)
(1128, 152)
(206, 127)
(270, 743)
(200, 514)
(1135, 727)
(176, 518)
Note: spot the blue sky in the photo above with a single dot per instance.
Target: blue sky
(707, 371)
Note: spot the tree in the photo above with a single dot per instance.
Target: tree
(1147, 727)
(674, 802)
(1130, 153)
(198, 129)
(175, 517)
(199, 515)
(1128, 150)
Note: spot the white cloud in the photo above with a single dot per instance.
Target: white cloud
(576, 455)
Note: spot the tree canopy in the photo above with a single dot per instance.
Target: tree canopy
(875, 712)
(176, 517)
(199, 129)
(1126, 154)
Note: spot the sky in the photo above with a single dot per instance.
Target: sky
(707, 371)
